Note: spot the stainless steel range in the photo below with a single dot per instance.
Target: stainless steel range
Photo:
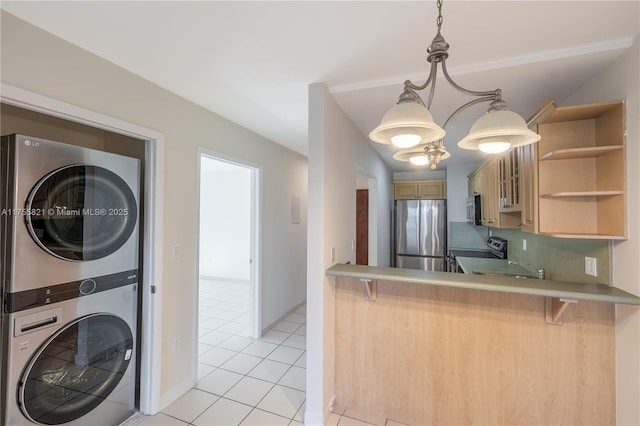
(496, 249)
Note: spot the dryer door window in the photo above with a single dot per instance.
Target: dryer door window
(81, 212)
(76, 369)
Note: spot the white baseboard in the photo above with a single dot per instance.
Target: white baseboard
(225, 279)
(175, 392)
(289, 312)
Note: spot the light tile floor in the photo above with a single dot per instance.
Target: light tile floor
(246, 381)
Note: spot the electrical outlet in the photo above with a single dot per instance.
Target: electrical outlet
(176, 345)
(524, 244)
(591, 266)
(175, 250)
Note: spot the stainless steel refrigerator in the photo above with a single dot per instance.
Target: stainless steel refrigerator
(420, 234)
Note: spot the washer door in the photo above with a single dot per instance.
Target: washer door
(76, 369)
(81, 212)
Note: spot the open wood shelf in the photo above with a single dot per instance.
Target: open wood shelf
(590, 236)
(581, 171)
(569, 194)
(574, 153)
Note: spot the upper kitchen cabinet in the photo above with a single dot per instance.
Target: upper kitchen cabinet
(499, 182)
(421, 190)
(528, 163)
(509, 182)
(581, 171)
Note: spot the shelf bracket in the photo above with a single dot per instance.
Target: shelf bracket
(555, 307)
(370, 287)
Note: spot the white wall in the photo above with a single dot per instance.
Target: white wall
(621, 81)
(225, 222)
(458, 190)
(336, 151)
(39, 62)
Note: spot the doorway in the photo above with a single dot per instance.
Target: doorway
(366, 238)
(228, 291)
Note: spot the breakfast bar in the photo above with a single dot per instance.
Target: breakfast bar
(440, 348)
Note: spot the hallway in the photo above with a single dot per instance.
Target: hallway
(242, 381)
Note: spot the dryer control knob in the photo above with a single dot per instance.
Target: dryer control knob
(87, 287)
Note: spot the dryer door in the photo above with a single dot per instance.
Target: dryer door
(76, 369)
(81, 212)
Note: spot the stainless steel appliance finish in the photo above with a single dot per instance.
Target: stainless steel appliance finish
(498, 246)
(497, 249)
(67, 213)
(420, 236)
(453, 253)
(71, 362)
(69, 257)
(474, 210)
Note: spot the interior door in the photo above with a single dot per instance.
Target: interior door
(362, 227)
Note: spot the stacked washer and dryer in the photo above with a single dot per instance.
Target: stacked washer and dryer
(69, 233)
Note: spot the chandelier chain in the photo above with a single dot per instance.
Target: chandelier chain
(439, 20)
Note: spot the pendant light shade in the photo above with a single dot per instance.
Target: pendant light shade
(419, 159)
(498, 128)
(405, 125)
(430, 153)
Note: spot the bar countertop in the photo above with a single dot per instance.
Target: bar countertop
(495, 283)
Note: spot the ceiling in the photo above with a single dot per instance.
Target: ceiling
(252, 62)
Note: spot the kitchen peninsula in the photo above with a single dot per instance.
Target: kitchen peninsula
(440, 348)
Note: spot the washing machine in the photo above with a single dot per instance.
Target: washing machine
(73, 363)
(69, 269)
(67, 213)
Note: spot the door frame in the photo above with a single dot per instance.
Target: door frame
(255, 282)
(151, 287)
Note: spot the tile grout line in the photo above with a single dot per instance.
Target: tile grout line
(281, 344)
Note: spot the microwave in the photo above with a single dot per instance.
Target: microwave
(474, 212)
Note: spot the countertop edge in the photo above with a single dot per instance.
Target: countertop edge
(500, 284)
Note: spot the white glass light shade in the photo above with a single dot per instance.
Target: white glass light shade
(505, 125)
(417, 155)
(407, 118)
(419, 159)
(493, 146)
(406, 140)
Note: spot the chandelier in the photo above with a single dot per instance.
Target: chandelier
(409, 124)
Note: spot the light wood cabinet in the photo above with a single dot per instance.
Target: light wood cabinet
(489, 194)
(570, 184)
(421, 190)
(581, 160)
(509, 182)
(487, 180)
(529, 188)
(474, 183)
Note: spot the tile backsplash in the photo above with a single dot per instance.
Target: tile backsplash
(465, 235)
(561, 258)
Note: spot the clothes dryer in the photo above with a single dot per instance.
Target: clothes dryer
(67, 213)
(72, 362)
